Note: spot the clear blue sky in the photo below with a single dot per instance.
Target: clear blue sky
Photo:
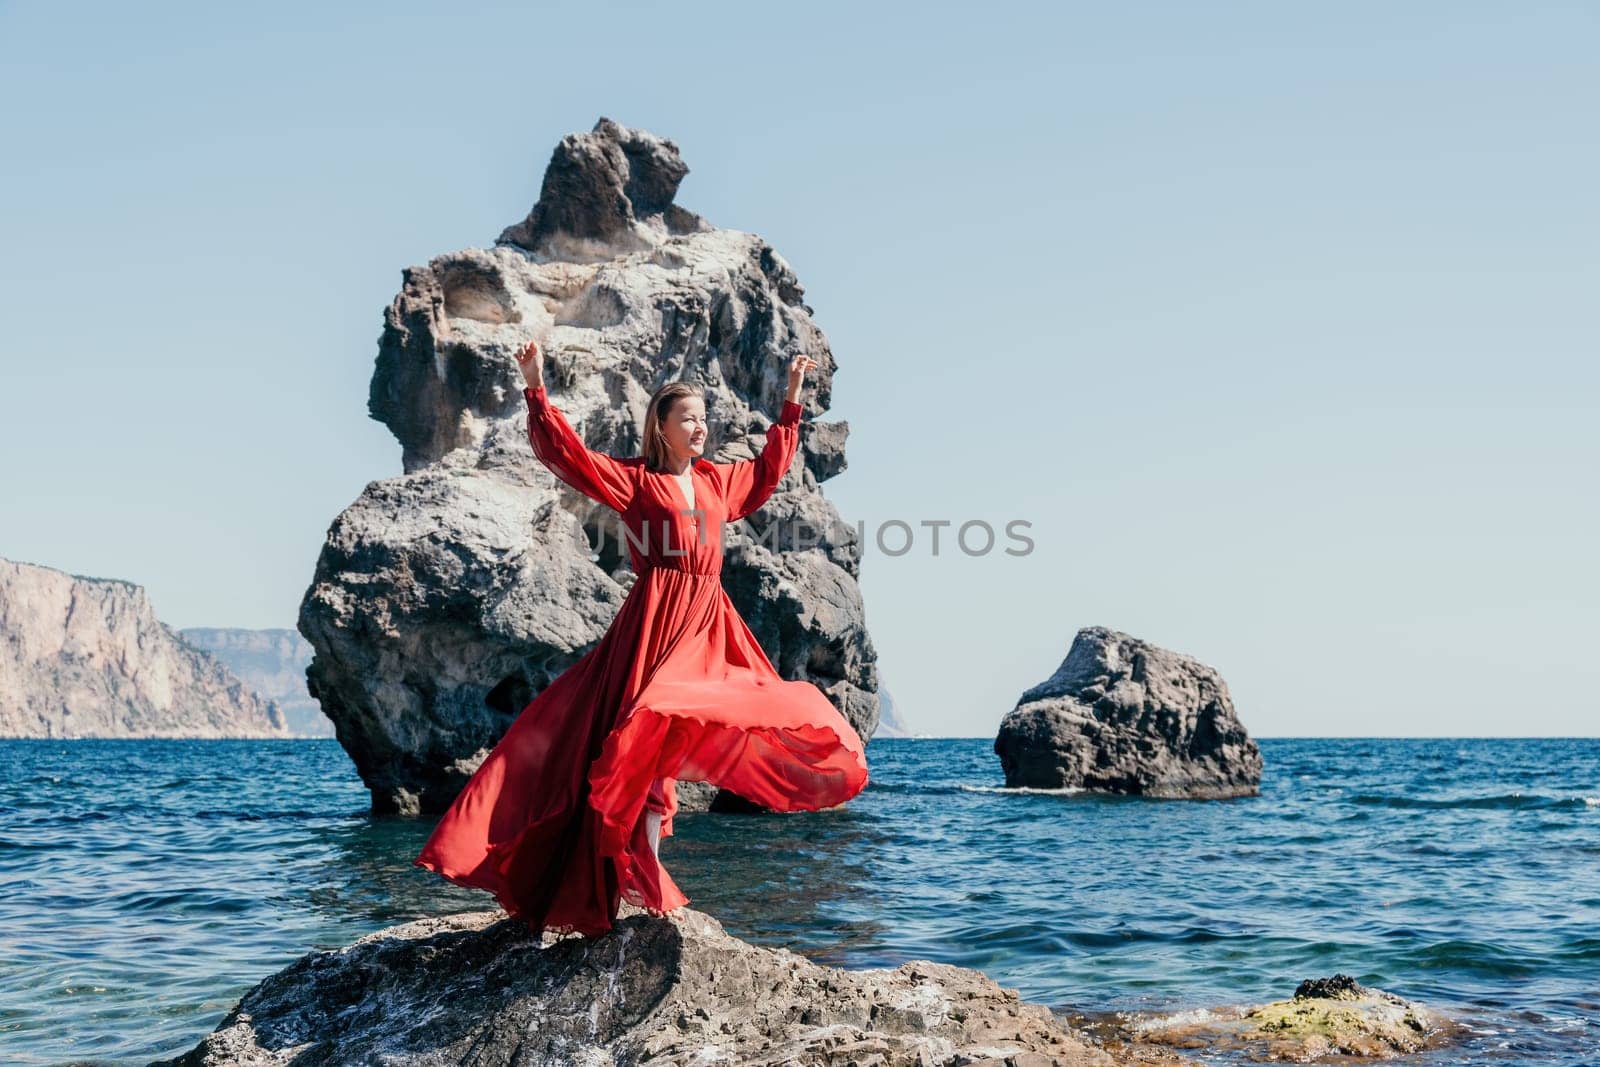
(1277, 321)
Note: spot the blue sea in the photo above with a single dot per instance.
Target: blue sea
(145, 885)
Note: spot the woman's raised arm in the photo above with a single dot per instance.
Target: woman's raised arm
(594, 474)
(558, 446)
(747, 484)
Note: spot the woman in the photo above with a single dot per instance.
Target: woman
(563, 818)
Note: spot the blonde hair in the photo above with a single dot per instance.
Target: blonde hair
(654, 448)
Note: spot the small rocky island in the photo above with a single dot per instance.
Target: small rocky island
(478, 988)
(1121, 715)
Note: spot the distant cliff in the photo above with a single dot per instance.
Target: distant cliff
(272, 662)
(86, 657)
(890, 724)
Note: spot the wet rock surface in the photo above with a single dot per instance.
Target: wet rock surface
(477, 988)
(1327, 1019)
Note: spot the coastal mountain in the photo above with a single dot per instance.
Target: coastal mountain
(272, 662)
(86, 657)
(890, 724)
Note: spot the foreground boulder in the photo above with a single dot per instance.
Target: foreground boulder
(477, 988)
(1121, 715)
(446, 597)
(1327, 1018)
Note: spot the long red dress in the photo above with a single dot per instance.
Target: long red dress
(553, 821)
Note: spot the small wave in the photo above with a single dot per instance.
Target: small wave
(1582, 948)
(184, 901)
(1495, 802)
(1191, 1017)
(212, 814)
(73, 818)
(24, 846)
(1060, 791)
(916, 789)
(1481, 957)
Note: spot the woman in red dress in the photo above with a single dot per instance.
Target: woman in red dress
(563, 818)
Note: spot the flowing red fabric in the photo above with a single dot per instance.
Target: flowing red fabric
(678, 688)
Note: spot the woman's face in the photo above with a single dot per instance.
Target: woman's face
(685, 427)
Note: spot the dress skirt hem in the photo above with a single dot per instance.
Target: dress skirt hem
(553, 821)
(806, 766)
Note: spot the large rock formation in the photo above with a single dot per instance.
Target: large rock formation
(273, 662)
(87, 657)
(446, 598)
(477, 988)
(1123, 716)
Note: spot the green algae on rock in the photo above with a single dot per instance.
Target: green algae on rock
(1326, 1018)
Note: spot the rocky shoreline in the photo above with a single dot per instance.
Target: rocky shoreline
(479, 988)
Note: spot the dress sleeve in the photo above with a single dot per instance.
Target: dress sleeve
(747, 484)
(558, 446)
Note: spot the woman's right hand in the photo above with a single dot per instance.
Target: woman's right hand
(531, 359)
